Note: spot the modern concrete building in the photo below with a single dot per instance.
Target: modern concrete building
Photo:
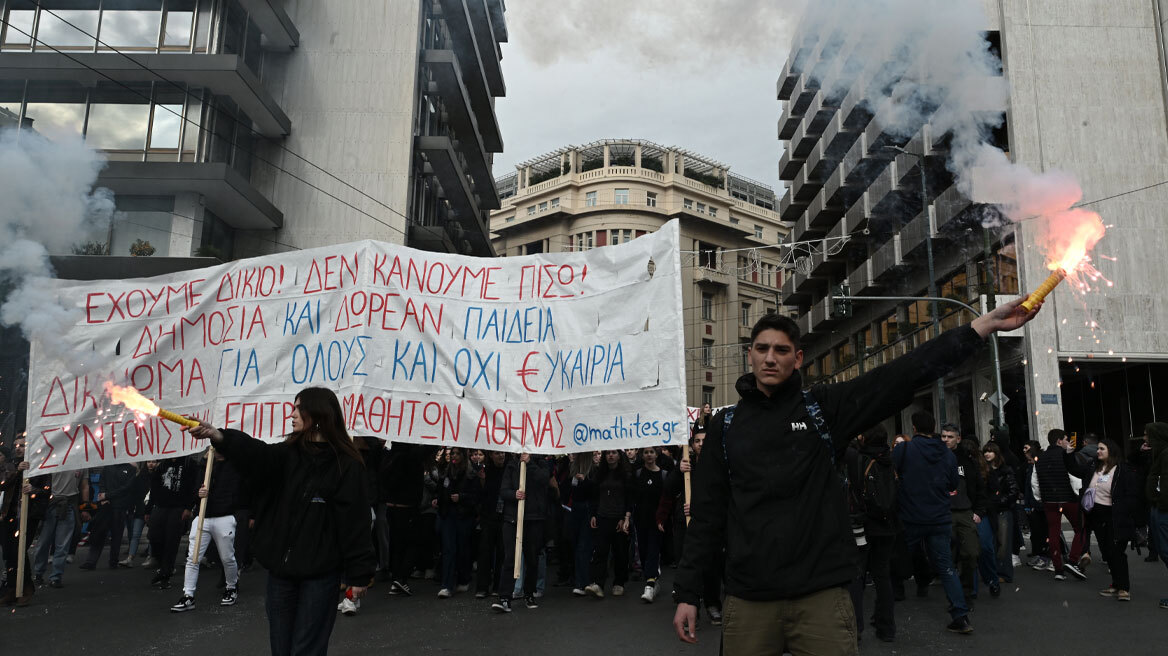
(219, 117)
(1087, 95)
(608, 192)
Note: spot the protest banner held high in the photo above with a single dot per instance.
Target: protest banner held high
(549, 353)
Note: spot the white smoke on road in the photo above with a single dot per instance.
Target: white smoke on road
(47, 204)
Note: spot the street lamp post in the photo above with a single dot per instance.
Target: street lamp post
(932, 271)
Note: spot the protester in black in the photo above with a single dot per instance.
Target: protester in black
(769, 491)
(968, 506)
(119, 485)
(612, 511)
(874, 484)
(458, 501)
(648, 488)
(1002, 494)
(402, 486)
(577, 494)
(173, 486)
(490, 548)
(536, 496)
(312, 519)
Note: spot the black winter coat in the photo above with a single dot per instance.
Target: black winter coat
(768, 490)
(312, 516)
(1054, 468)
(1125, 501)
(537, 490)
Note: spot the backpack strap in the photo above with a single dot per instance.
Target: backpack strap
(727, 417)
(816, 413)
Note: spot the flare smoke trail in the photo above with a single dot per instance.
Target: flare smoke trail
(47, 200)
(928, 61)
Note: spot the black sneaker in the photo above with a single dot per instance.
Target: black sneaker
(87, 565)
(186, 603)
(230, 596)
(38, 581)
(502, 605)
(158, 578)
(164, 584)
(56, 583)
(400, 588)
(995, 591)
(960, 625)
(1075, 571)
(531, 601)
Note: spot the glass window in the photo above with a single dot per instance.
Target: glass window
(590, 198)
(707, 306)
(543, 206)
(555, 203)
(178, 24)
(687, 204)
(55, 108)
(165, 126)
(621, 196)
(758, 232)
(192, 127)
(130, 24)
(531, 211)
(11, 97)
(701, 208)
(142, 226)
(733, 221)
(118, 119)
(203, 27)
(628, 236)
(234, 26)
(713, 211)
(746, 314)
(708, 396)
(53, 30)
(17, 28)
(651, 199)
(707, 353)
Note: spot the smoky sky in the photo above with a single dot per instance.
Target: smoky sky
(697, 75)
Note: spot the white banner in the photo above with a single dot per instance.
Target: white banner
(548, 353)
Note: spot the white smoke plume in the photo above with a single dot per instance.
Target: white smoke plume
(924, 61)
(47, 203)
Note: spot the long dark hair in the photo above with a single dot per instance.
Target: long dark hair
(322, 414)
(1114, 457)
(622, 469)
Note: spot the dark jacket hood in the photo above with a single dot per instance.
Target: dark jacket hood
(1157, 433)
(932, 449)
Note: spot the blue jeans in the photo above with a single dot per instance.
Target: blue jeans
(539, 582)
(134, 526)
(987, 558)
(936, 541)
(301, 613)
(1005, 538)
(56, 534)
(457, 533)
(582, 538)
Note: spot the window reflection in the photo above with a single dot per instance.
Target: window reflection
(164, 131)
(55, 30)
(131, 29)
(203, 29)
(118, 126)
(17, 29)
(180, 18)
(55, 108)
(145, 218)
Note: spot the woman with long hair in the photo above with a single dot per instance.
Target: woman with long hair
(312, 518)
(1114, 497)
(612, 510)
(578, 493)
(1003, 492)
(458, 500)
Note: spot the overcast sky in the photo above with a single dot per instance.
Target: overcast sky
(698, 74)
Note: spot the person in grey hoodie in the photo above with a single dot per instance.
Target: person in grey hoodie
(928, 474)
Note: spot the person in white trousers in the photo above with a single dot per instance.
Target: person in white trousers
(219, 525)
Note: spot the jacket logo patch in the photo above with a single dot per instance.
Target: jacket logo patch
(798, 425)
(317, 500)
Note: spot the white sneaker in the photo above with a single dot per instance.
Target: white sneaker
(444, 593)
(595, 590)
(1016, 560)
(618, 590)
(349, 607)
(128, 561)
(579, 592)
(462, 588)
(649, 593)
(150, 562)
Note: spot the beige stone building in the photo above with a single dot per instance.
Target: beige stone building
(608, 192)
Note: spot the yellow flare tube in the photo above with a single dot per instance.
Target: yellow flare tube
(177, 418)
(1043, 290)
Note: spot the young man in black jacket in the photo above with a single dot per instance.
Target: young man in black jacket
(218, 525)
(118, 484)
(968, 506)
(1055, 467)
(768, 488)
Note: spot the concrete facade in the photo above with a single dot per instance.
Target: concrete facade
(608, 192)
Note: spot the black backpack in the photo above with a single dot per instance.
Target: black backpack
(878, 487)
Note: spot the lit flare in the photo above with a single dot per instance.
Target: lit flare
(132, 399)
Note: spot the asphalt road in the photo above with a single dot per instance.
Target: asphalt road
(115, 612)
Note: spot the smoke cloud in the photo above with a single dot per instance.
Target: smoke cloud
(921, 61)
(47, 203)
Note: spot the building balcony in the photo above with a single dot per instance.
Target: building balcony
(443, 65)
(224, 75)
(788, 79)
(949, 206)
(821, 318)
(915, 233)
(489, 52)
(443, 160)
(226, 192)
(791, 209)
(888, 259)
(705, 275)
(466, 46)
(789, 164)
(861, 281)
(794, 110)
(805, 324)
(857, 216)
(437, 239)
(279, 33)
(822, 215)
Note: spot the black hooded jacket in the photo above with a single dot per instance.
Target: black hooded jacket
(310, 507)
(768, 491)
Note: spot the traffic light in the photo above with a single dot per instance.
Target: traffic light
(841, 308)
